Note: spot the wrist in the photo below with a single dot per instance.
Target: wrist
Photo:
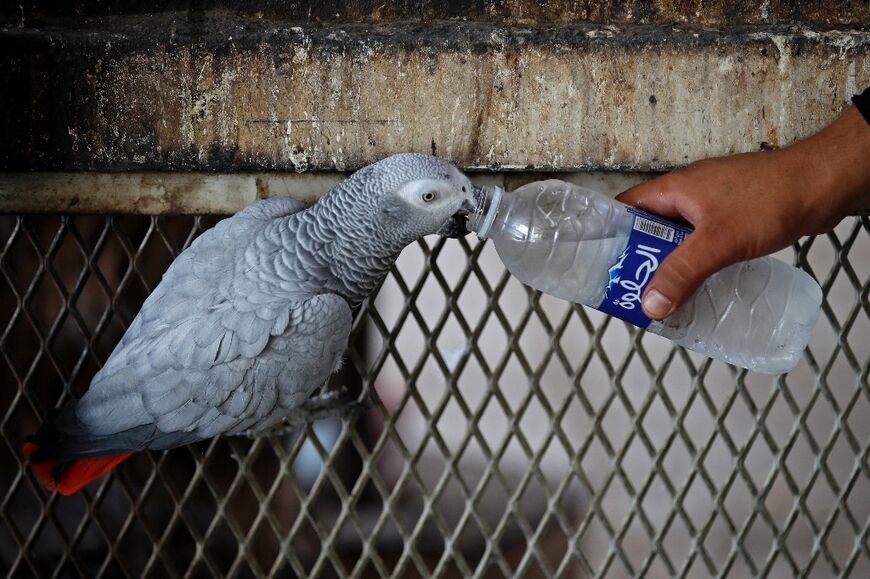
(830, 170)
(813, 189)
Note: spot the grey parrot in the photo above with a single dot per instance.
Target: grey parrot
(249, 320)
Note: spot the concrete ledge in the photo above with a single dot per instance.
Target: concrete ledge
(226, 93)
(214, 193)
(154, 193)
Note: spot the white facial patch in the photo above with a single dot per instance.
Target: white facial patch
(425, 192)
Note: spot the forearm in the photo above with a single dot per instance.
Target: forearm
(836, 162)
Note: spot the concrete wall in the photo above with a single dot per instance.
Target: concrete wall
(223, 91)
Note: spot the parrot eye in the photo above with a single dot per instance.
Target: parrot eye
(429, 196)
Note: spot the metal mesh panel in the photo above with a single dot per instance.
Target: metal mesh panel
(511, 434)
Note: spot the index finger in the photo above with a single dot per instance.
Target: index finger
(656, 196)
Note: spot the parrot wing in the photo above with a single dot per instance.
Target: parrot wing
(181, 404)
(214, 341)
(83, 440)
(239, 332)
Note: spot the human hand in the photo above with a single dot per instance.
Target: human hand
(753, 204)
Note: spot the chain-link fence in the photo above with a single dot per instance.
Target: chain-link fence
(511, 434)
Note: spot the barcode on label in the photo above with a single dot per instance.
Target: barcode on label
(652, 228)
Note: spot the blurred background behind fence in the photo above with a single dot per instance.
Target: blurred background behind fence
(511, 433)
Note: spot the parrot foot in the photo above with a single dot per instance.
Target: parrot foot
(331, 404)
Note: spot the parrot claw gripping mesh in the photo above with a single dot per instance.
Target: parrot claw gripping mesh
(249, 320)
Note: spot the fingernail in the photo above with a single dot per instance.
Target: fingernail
(656, 305)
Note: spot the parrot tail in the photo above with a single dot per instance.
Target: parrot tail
(66, 457)
(67, 478)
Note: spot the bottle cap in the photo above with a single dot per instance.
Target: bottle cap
(486, 208)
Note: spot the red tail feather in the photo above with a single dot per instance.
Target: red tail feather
(76, 474)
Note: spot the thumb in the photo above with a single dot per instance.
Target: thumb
(682, 272)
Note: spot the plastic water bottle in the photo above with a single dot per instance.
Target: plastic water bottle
(585, 247)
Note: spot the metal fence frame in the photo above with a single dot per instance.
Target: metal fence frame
(236, 507)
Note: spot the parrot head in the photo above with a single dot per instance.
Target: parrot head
(420, 195)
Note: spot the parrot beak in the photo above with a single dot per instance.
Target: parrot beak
(456, 226)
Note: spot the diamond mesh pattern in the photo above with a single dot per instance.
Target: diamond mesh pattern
(511, 434)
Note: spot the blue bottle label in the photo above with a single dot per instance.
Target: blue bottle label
(651, 240)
